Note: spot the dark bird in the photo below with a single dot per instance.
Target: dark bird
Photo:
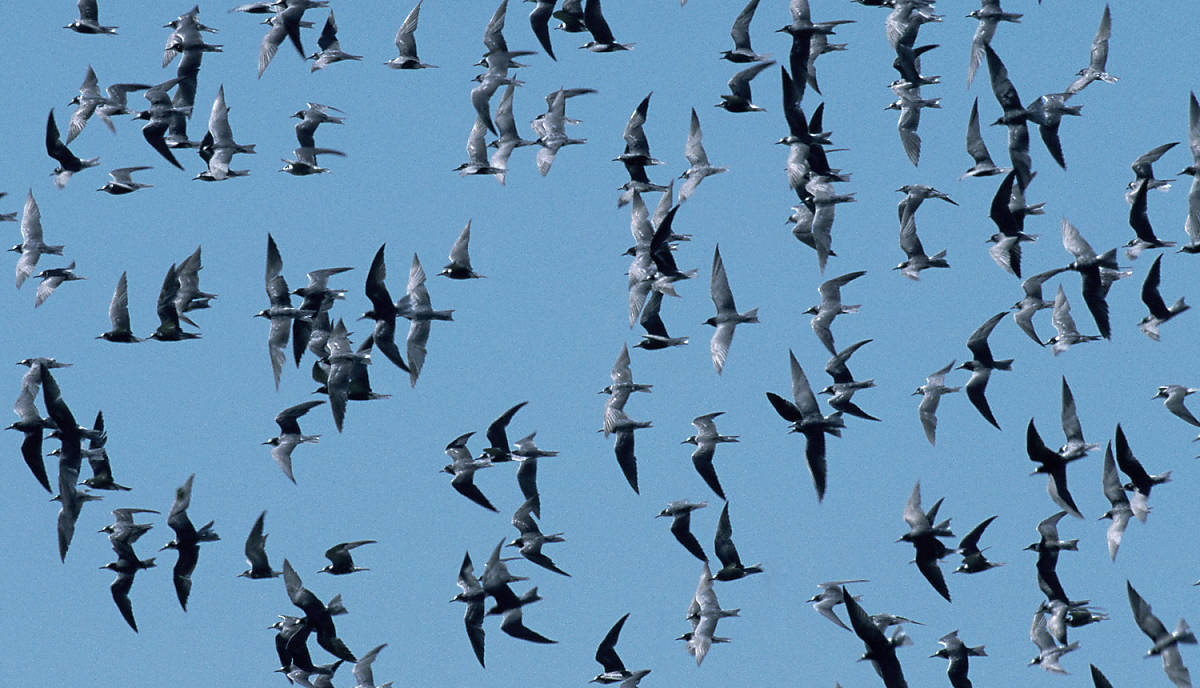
(973, 559)
(383, 310)
(256, 553)
(459, 266)
(739, 98)
(923, 535)
(880, 650)
(805, 417)
(1089, 265)
(740, 33)
(981, 367)
(513, 624)
(406, 43)
(497, 435)
(125, 569)
(1159, 312)
(623, 427)
(731, 563)
(1166, 643)
(340, 560)
(531, 538)
(706, 440)
(122, 181)
(316, 614)
(68, 163)
(1140, 481)
(958, 653)
(463, 469)
(1032, 302)
(31, 424)
(1054, 465)
(977, 149)
(844, 385)
(290, 435)
(1140, 222)
(187, 541)
(70, 453)
(89, 23)
(656, 336)
(602, 36)
(614, 668)
(1015, 117)
(331, 49)
(168, 316)
(473, 595)
(680, 512)
(97, 456)
(539, 21)
(1048, 546)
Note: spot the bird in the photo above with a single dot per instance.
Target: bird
(513, 624)
(805, 417)
(1065, 325)
(623, 427)
(68, 162)
(290, 436)
(1143, 170)
(122, 536)
(1140, 222)
(1099, 57)
(844, 385)
(1075, 446)
(364, 677)
(284, 24)
(463, 469)
(256, 553)
(981, 367)
(340, 560)
(1088, 265)
(531, 538)
(526, 453)
(923, 534)
(699, 167)
(51, 279)
(620, 389)
(831, 306)
(97, 456)
(1121, 511)
(70, 456)
(1015, 117)
(1140, 482)
(989, 15)
(331, 50)
(306, 161)
(1007, 249)
(614, 668)
(739, 98)
(656, 336)
(383, 310)
(602, 36)
(727, 318)
(89, 23)
(914, 196)
(830, 597)
(122, 181)
(1049, 651)
(539, 21)
(221, 147)
(551, 130)
(459, 266)
(159, 118)
(740, 33)
(406, 43)
(1166, 643)
(1033, 302)
(280, 313)
(910, 103)
(32, 246)
(958, 653)
(973, 559)
(915, 258)
(187, 541)
(703, 613)
(706, 440)
(931, 393)
(1173, 397)
(880, 650)
(1192, 223)
(731, 564)
(418, 309)
(680, 512)
(977, 149)
(31, 424)
(473, 595)
(497, 435)
(1052, 464)
(316, 614)
(1047, 112)
(168, 315)
(1159, 312)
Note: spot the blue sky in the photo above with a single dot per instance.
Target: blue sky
(547, 325)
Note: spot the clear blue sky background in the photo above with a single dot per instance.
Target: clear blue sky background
(546, 326)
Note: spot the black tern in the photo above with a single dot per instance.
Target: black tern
(290, 436)
(656, 336)
(880, 650)
(473, 595)
(552, 133)
(122, 535)
(1054, 465)
(805, 417)
(977, 149)
(495, 580)
(364, 677)
(1099, 57)
(623, 427)
(973, 559)
(32, 247)
(831, 306)
(981, 367)
(915, 258)
(419, 311)
(830, 597)
(910, 103)
(727, 318)
(497, 435)
(1140, 222)
(637, 148)
(731, 564)
(697, 158)
(931, 393)
(340, 560)
(526, 452)
(956, 650)
(316, 614)
(122, 181)
(331, 50)
(70, 453)
(1192, 223)
(513, 624)
(680, 512)
(1048, 546)
(459, 266)
(222, 146)
(284, 24)
(187, 541)
(97, 456)
(1121, 510)
(406, 43)
(1075, 447)
(1140, 481)
(914, 196)
(531, 538)
(1159, 312)
(602, 36)
(68, 162)
(256, 553)
(383, 310)
(1014, 117)
(189, 296)
(168, 316)
(739, 98)
(89, 23)
(1173, 398)
(1027, 307)
(706, 440)
(51, 279)
(280, 313)
(539, 21)
(989, 15)
(614, 668)
(923, 535)
(1088, 265)
(463, 469)
(1143, 170)
(844, 385)
(31, 424)
(1068, 334)
(1166, 643)
(740, 33)
(1007, 249)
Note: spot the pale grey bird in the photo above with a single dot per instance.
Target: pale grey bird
(459, 266)
(256, 553)
(284, 24)
(831, 306)
(1121, 511)
(222, 147)
(956, 650)
(1049, 651)
(51, 279)
(931, 393)
(1173, 398)
(914, 196)
(508, 139)
(1068, 334)
(90, 101)
(915, 258)
(118, 315)
(706, 440)
(122, 181)
(419, 311)
(727, 318)
(620, 389)
(331, 50)
(290, 436)
(1159, 312)
(531, 538)
(1033, 302)
(740, 33)
(552, 133)
(1166, 643)
(406, 43)
(910, 103)
(89, 23)
(704, 612)
(1192, 223)
(477, 162)
(830, 597)
(989, 15)
(1099, 57)
(699, 167)
(189, 297)
(31, 247)
(977, 149)
(739, 98)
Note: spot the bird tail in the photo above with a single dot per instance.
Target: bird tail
(1179, 307)
(1072, 545)
(754, 568)
(1006, 364)
(335, 606)
(1108, 259)
(751, 315)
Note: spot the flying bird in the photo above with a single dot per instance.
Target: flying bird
(187, 541)
(340, 561)
(256, 553)
(89, 23)
(1173, 397)
(923, 534)
(931, 393)
(602, 36)
(740, 33)
(614, 668)
(32, 246)
(1140, 482)
(706, 440)
(290, 435)
(968, 548)
(463, 469)
(406, 43)
(417, 307)
(316, 614)
(331, 49)
(831, 306)
(1166, 643)
(703, 613)
(806, 418)
(1159, 312)
(1099, 57)
(459, 266)
(830, 597)
(473, 595)
(68, 162)
(1121, 510)
(739, 98)
(680, 512)
(531, 539)
(981, 367)
(880, 650)
(731, 564)
(1052, 464)
(727, 318)
(1068, 334)
(958, 653)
